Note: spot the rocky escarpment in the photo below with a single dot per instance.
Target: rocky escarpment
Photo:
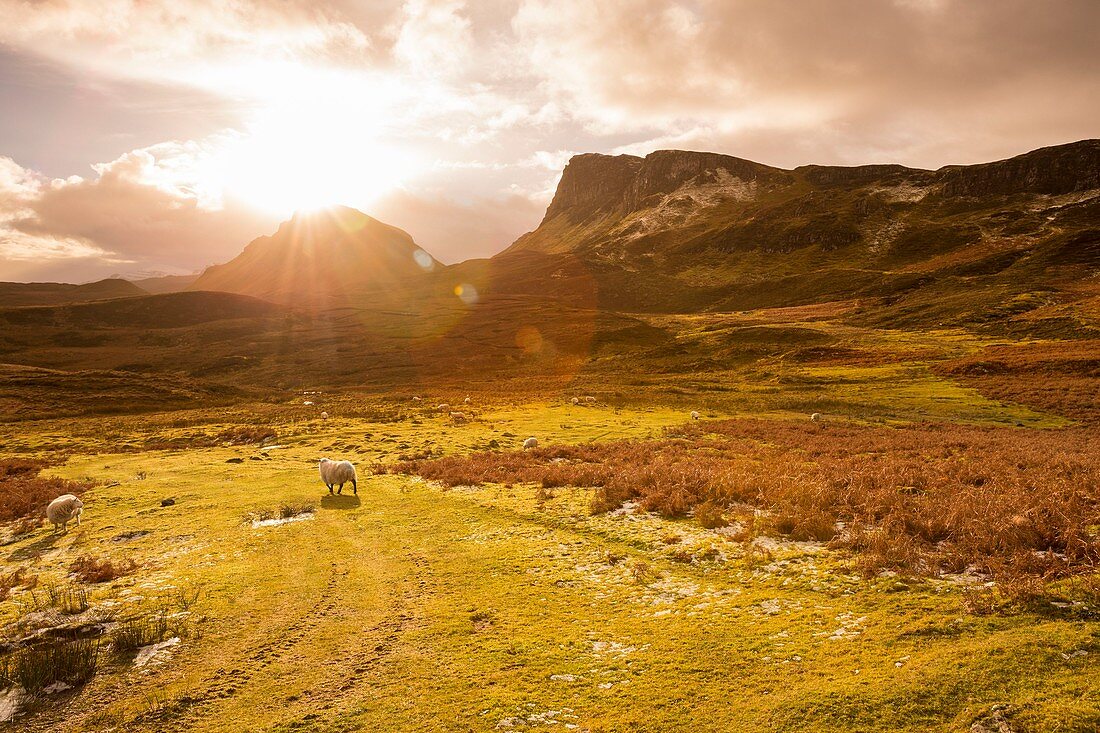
(683, 230)
(601, 184)
(1055, 170)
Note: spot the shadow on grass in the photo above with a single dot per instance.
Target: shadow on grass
(339, 501)
(36, 548)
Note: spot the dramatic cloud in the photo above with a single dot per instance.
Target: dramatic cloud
(925, 82)
(452, 119)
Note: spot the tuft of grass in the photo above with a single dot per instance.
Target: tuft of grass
(132, 634)
(91, 569)
(285, 511)
(709, 515)
(69, 599)
(641, 572)
(56, 660)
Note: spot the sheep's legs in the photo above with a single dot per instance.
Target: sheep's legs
(355, 487)
(329, 488)
(340, 490)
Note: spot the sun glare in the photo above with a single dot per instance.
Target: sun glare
(310, 149)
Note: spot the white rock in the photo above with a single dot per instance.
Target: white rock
(155, 653)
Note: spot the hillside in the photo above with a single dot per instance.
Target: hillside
(683, 231)
(324, 257)
(23, 294)
(688, 269)
(166, 283)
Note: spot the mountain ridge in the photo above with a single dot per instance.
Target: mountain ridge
(679, 230)
(322, 256)
(52, 293)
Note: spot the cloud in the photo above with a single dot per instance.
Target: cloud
(23, 252)
(924, 79)
(194, 42)
(466, 111)
(131, 216)
(434, 38)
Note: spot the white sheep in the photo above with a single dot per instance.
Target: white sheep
(443, 408)
(575, 400)
(694, 415)
(817, 417)
(458, 416)
(589, 399)
(337, 473)
(324, 416)
(416, 399)
(466, 401)
(531, 442)
(64, 509)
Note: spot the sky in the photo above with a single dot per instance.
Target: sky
(143, 137)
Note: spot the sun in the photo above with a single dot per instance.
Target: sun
(316, 149)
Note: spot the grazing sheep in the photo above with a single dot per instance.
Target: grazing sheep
(575, 400)
(337, 473)
(458, 416)
(324, 416)
(817, 417)
(443, 408)
(589, 399)
(531, 443)
(63, 509)
(466, 401)
(307, 403)
(694, 415)
(416, 399)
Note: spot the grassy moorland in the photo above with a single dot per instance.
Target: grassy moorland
(924, 559)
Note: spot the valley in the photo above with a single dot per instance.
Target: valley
(688, 544)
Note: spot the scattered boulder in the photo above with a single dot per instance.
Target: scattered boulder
(167, 502)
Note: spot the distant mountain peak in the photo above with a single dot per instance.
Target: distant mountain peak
(320, 255)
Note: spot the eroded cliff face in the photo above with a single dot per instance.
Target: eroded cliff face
(677, 230)
(594, 184)
(1056, 170)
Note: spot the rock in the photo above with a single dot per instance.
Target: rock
(167, 502)
(11, 701)
(133, 535)
(155, 653)
(235, 460)
(993, 722)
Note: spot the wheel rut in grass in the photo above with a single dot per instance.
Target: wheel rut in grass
(227, 682)
(399, 617)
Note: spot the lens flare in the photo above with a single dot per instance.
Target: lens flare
(467, 293)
